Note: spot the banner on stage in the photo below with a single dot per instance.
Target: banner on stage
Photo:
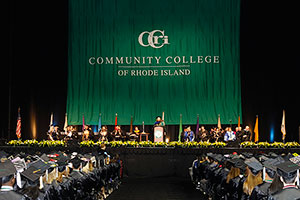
(139, 58)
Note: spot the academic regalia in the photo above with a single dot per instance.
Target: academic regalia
(260, 192)
(7, 192)
(103, 135)
(245, 136)
(118, 135)
(290, 193)
(287, 170)
(189, 136)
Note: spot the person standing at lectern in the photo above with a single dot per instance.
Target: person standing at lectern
(158, 121)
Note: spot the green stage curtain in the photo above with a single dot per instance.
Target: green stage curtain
(200, 61)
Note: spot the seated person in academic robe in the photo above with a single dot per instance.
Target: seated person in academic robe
(203, 134)
(239, 133)
(118, 134)
(87, 133)
(56, 135)
(103, 134)
(69, 133)
(288, 175)
(246, 134)
(7, 177)
(135, 134)
(189, 135)
(51, 134)
(229, 135)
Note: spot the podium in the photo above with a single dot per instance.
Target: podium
(158, 134)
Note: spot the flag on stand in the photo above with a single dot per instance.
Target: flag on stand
(51, 120)
(219, 121)
(131, 128)
(99, 123)
(116, 121)
(197, 127)
(18, 129)
(283, 131)
(256, 136)
(66, 122)
(180, 128)
(83, 123)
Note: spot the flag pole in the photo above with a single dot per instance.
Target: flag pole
(180, 128)
(283, 130)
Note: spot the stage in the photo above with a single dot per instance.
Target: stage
(151, 161)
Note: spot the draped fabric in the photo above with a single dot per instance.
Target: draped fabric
(195, 71)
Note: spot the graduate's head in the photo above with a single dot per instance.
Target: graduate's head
(76, 163)
(254, 177)
(288, 172)
(136, 128)
(158, 118)
(8, 180)
(188, 128)
(51, 128)
(7, 173)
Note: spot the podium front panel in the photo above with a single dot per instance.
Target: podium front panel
(158, 134)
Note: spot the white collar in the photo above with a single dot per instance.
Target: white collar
(6, 188)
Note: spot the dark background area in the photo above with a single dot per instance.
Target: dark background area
(34, 74)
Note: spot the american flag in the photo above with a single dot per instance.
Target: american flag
(18, 129)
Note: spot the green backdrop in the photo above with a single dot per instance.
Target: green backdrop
(195, 71)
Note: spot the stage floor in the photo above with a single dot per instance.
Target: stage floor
(167, 188)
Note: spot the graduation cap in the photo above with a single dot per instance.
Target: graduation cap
(273, 155)
(62, 160)
(32, 173)
(210, 155)
(7, 168)
(247, 154)
(295, 160)
(41, 166)
(254, 165)
(237, 163)
(3, 154)
(271, 163)
(76, 162)
(218, 157)
(287, 169)
(45, 158)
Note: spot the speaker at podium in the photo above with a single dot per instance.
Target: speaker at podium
(158, 134)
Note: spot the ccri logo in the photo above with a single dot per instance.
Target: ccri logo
(155, 39)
